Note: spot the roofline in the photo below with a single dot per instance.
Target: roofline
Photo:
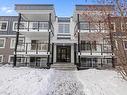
(92, 5)
(34, 4)
(8, 16)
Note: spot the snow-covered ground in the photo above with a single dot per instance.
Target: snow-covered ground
(31, 81)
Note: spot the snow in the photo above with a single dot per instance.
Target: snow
(24, 81)
(102, 82)
(31, 81)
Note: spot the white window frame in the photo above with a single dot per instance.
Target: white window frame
(10, 58)
(20, 29)
(6, 26)
(4, 42)
(11, 46)
(1, 59)
(63, 32)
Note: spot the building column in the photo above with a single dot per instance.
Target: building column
(16, 42)
(49, 30)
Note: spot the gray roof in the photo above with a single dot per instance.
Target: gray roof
(93, 7)
(63, 19)
(34, 7)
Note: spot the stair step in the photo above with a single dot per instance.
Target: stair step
(65, 66)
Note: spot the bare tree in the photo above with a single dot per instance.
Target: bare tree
(117, 15)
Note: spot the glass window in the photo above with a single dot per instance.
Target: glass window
(11, 59)
(87, 45)
(84, 26)
(43, 25)
(23, 25)
(64, 28)
(20, 42)
(2, 43)
(3, 25)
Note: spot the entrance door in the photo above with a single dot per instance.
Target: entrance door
(63, 53)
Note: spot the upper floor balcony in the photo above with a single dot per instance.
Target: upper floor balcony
(34, 29)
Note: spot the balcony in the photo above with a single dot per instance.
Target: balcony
(98, 50)
(34, 29)
(33, 49)
(91, 27)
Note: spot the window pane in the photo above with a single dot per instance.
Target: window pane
(4, 25)
(34, 25)
(84, 26)
(1, 42)
(43, 25)
(64, 28)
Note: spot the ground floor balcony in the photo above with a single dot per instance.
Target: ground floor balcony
(33, 49)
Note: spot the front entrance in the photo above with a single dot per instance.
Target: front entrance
(63, 53)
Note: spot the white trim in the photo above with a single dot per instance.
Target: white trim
(4, 42)
(11, 46)
(2, 58)
(13, 29)
(6, 26)
(10, 58)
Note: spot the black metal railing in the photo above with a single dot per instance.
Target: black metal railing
(98, 48)
(36, 26)
(32, 47)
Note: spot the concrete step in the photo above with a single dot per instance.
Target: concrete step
(63, 66)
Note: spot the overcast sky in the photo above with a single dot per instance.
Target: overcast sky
(62, 7)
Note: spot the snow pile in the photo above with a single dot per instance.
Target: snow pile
(65, 83)
(24, 81)
(102, 82)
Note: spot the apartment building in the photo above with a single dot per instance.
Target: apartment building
(37, 37)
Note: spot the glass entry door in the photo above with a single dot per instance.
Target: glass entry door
(63, 53)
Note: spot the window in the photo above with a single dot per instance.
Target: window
(84, 26)
(2, 42)
(23, 26)
(3, 25)
(125, 44)
(20, 42)
(43, 25)
(87, 45)
(64, 28)
(1, 58)
(11, 58)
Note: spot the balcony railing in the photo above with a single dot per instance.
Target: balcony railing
(34, 26)
(91, 27)
(96, 49)
(32, 47)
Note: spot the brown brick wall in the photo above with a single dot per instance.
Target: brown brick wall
(7, 50)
